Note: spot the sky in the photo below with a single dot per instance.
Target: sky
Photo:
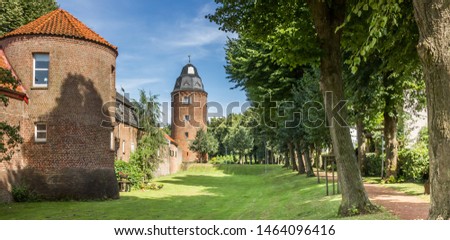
(154, 38)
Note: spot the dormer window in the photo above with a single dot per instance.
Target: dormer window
(191, 70)
(186, 100)
(40, 69)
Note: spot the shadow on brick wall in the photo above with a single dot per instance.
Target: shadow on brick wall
(76, 161)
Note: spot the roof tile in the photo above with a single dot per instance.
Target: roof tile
(60, 23)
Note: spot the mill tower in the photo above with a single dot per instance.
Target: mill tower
(189, 110)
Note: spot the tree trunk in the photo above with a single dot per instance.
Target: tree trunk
(286, 160)
(292, 157)
(309, 170)
(301, 165)
(361, 146)
(327, 16)
(246, 158)
(391, 143)
(318, 155)
(433, 20)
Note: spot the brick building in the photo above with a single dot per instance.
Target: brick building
(126, 130)
(68, 72)
(189, 110)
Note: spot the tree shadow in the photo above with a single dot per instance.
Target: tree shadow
(75, 162)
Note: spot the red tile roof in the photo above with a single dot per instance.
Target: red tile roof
(60, 23)
(170, 139)
(6, 89)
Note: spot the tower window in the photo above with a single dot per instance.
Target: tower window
(191, 70)
(186, 134)
(40, 132)
(187, 118)
(40, 69)
(186, 100)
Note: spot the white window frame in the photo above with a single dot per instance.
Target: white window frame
(132, 147)
(186, 100)
(34, 70)
(112, 146)
(36, 131)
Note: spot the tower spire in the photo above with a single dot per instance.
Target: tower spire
(189, 56)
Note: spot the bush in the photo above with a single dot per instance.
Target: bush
(227, 159)
(373, 164)
(22, 193)
(131, 171)
(413, 164)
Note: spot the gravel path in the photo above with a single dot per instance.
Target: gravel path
(406, 207)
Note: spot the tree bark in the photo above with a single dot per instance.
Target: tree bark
(361, 145)
(309, 170)
(286, 160)
(292, 157)
(301, 165)
(391, 144)
(327, 16)
(433, 20)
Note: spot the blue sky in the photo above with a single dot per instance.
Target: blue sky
(154, 38)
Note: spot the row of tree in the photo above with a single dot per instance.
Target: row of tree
(332, 51)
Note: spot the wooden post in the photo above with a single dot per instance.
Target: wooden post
(332, 174)
(317, 168)
(326, 173)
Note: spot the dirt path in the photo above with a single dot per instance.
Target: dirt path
(406, 207)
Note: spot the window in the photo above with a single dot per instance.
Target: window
(187, 118)
(112, 141)
(40, 69)
(191, 70)
(186, 134)
(123, 147)
(40, 132)
(132, 147)
(186, 100)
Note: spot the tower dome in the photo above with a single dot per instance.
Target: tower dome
(189, 79)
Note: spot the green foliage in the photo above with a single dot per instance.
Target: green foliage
(130, 171)
(414, 164)
(373, 164)
(15, 13)
(227, 159)
(203, 144)
(147, 156)
(23, 193)
(147, 110)
(239, 140)
(9, 135)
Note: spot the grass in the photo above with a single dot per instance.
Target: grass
(205, 192)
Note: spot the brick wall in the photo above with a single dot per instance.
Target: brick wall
(197, 111)
(76, 161)
(126, 138)
(171, 160)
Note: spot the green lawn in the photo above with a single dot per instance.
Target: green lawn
(205, 192)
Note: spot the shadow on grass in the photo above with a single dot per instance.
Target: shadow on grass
(238, 192)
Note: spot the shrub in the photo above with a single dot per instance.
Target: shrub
(22, 193)
(227, 159)
(413, 164)
(133, 173)
(373, 164)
